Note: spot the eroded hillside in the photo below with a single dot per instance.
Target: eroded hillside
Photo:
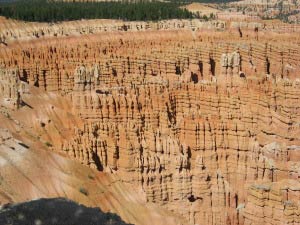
(204, 122)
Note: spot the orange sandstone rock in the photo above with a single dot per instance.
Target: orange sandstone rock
(202, 122)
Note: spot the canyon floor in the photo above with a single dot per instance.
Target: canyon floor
(169, 122)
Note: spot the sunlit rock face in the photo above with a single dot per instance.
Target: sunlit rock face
(206, 123)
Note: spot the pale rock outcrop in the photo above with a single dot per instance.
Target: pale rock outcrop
(11, 88)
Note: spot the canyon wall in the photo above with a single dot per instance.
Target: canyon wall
(206, 123)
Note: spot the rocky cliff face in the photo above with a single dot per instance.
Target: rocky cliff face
(274, 203)
(31, 169)
(12, 30)
(207, 124)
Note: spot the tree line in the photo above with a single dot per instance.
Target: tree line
(205, 1)
(54, 11)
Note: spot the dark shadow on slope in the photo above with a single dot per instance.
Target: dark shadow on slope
(56, 211)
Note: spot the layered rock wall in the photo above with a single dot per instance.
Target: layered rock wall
(51, 65)
(199, 121)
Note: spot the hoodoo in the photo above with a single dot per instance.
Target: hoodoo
(179, 121)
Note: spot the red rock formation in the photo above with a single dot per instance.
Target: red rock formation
(275, 203)
(197, 120)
